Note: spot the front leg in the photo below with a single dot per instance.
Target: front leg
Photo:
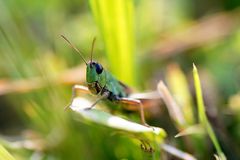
(103, 96)
(75, 88)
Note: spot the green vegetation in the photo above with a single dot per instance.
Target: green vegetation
(116, 23)
(4, 154)
(202, 114)
(149, 45)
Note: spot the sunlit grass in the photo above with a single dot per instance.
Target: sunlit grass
(4, 154)
(116, 24)
(202, 114)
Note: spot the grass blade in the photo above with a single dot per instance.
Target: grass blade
(94, 115)
(115, 22)
(177, 153)
(4, 154)
(202, 114)
(172, 106)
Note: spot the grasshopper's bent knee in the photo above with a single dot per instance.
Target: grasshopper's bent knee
(138, 103)
(75, 88)
(80, 88)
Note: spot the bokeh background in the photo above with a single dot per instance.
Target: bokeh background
(161, 42)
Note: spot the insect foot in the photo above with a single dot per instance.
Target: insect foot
(88, 108)
(147, 125)
(146, 147)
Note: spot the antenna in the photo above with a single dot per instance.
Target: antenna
(75, 48)
(93, 44)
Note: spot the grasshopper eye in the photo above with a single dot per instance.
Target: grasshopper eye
(99, 68)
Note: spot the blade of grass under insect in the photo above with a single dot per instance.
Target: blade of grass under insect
(79, 105)
(4, 154)
(202, 114)
(152, 135)
(115, 22)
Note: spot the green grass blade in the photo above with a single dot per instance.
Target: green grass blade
(115, 22)
(79, 105)
(4, 154)
(152, 135)
(202, 114)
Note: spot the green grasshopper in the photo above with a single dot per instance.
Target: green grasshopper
(102, 83)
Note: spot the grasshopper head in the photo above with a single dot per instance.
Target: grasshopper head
(96, 77)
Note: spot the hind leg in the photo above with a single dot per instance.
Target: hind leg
(136, 102)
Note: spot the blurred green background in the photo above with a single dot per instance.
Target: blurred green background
(140, 42)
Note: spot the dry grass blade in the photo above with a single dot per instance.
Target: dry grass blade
(195, 129)
(176, 152)
(179, 87)
(70, 76)
(207, 30)
(19, 86)
(173, 109)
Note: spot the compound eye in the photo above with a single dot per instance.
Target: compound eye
(99, 68)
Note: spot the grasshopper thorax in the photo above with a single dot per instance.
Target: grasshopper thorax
(95, 77)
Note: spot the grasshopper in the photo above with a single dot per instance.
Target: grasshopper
(102, 83)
